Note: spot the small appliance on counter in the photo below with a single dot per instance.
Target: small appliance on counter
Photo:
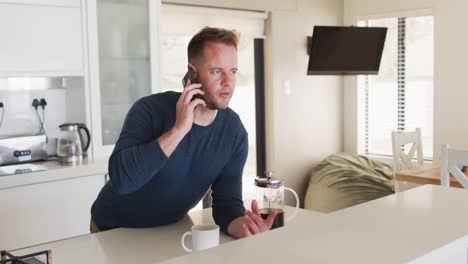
(19, 149)
(20, 169)
(70, 145)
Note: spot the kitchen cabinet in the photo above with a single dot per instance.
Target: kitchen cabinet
(41, 38)
(44, 212)
(123, 63)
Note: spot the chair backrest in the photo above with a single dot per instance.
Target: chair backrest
(451, 161)
(402, 160)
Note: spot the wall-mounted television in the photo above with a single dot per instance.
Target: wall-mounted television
(336, 50)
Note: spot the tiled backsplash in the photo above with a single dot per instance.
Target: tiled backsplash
(65, 103)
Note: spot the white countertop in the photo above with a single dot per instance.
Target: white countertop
(129, 245)
(417, 226)
(399, 228)
(56, 171)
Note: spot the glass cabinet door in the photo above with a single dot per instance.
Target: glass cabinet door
(123, 32)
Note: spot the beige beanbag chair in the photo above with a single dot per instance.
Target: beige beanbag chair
(343, 180)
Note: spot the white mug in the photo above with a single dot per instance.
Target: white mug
(203, 237)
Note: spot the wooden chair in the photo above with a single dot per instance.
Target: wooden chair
(401, 160)
(452, 162)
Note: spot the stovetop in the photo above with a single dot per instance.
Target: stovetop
(33, 261)
(41, 257)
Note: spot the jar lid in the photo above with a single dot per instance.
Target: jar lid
(268, 182)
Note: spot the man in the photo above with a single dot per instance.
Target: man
(174, 146)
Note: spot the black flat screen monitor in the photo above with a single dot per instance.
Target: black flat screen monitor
(346, 50)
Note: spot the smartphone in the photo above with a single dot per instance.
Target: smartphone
(190, 75)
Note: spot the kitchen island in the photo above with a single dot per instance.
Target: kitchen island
(137, 245)
(423, 225)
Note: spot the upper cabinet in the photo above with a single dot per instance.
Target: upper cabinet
(113, 45)
(41, 38)
(123, 62)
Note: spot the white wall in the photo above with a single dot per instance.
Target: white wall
(306, 126)
(450, 64)
(65, 104)
(451, 78)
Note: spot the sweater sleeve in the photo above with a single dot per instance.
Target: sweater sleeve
(227, 189)
(137, 156)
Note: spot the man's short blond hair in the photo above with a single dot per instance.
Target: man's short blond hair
(210, 34)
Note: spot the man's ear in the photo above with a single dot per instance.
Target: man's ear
(192, 68)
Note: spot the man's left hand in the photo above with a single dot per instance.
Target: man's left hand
(251, 223)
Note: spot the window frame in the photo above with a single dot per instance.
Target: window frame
(362, 135)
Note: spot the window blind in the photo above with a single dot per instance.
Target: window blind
(248, 23)
(400, 98)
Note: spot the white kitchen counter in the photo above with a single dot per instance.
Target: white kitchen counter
(55, 171)
(423, 225)
(129, 245)
(407, 227)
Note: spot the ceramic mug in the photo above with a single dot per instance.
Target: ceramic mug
(204, 236)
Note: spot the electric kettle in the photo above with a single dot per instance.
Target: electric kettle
(70, 145)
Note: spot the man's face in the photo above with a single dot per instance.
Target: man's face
(217, 74)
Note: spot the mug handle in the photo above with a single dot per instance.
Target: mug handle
(183, 241)
(296, 209)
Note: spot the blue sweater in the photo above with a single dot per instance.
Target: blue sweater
(147, 188)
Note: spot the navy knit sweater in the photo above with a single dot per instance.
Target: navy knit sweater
(147, 188)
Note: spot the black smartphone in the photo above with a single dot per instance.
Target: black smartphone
(190, 75)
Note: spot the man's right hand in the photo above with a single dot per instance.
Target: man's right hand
(251, 223)
(185, 107)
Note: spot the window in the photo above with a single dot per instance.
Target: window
(400, 97)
